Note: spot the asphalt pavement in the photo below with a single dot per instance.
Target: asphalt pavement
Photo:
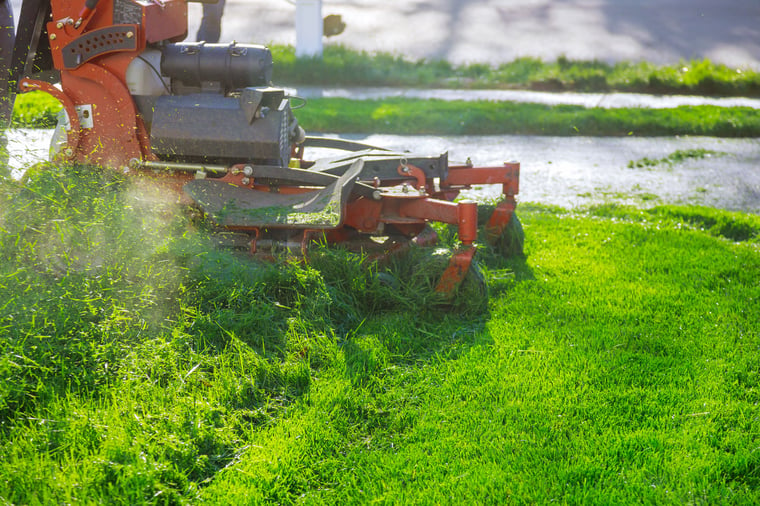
(565, 171)
(497, 31)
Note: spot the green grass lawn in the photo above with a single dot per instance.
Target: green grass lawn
(341, 66)
(438, 117)
(617, 363)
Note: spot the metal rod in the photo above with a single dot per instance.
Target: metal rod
(186, 167)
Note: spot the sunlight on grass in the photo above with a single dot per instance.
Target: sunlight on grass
(437, 117)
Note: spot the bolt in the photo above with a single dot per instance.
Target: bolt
(52, 36)
(246, 180)
(130, 35)
(59, 25)
(248, 170)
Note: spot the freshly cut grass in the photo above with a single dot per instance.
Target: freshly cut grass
(617, 362)
(678, 156)
(618, 366)
(734, 226)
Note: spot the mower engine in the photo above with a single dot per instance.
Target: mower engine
(205, 120)
(220, 109)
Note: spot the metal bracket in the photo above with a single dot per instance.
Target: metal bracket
(405, 169)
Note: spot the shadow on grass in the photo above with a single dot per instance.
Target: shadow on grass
(425, 330)
(394, 342)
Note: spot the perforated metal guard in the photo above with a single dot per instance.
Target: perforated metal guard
(98, 42)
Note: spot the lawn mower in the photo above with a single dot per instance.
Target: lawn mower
(204, 120)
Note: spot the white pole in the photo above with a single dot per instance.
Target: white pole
(309, 28)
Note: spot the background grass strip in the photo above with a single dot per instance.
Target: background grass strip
(404, 116)
(341, 66)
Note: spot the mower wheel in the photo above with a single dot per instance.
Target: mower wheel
(512, 239)
(472, 295)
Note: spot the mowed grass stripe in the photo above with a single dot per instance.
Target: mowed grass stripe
(620, 366)
(438, 117)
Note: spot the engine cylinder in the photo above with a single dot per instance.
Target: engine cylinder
(232, 65)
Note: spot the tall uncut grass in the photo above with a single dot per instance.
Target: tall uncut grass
(616, 363)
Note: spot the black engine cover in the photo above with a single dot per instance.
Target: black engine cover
(250, 127)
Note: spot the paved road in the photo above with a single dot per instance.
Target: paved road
(660, 31)
(566, 171)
